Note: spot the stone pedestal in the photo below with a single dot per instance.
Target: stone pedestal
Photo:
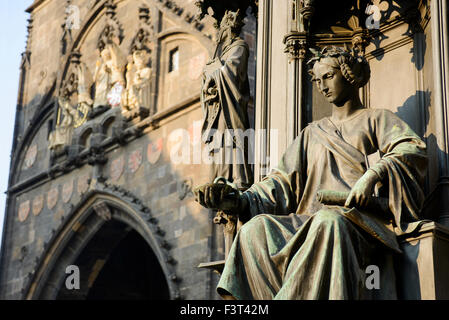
(423, 269)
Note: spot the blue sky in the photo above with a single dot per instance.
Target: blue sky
(13, 26)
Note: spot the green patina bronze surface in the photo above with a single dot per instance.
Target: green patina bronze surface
(315, 223)
(321, 252)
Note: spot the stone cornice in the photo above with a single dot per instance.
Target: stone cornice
(35, 5)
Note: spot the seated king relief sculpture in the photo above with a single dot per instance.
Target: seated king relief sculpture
(314, 224)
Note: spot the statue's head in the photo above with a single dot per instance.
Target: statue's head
(307, 3)
(105, 54)
(140, 58)
(232, 21)
(338, 73)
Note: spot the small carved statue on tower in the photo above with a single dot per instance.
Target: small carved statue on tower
(138, 76)
(63, 133)
(109, 76)
(85, 101)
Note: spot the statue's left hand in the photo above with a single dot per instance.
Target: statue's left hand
(362, 190)
(218, 196)
(209, 82)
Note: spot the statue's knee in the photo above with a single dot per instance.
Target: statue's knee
(252, 227)
(329, 218)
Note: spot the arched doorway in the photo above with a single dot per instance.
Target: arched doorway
(118, 264)
(118, 249)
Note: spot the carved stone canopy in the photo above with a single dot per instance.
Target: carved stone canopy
(113, 31)
(142, 39)
(70, 84)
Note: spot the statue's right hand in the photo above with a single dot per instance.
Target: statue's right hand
(209, 83)
(218, 196)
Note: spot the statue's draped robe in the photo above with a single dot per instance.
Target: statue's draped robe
(296, 248)
(228, 111)
(141, 88)
(102, 86)
(109, 75)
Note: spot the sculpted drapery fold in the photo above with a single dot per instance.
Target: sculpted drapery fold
(318, 153)
(294, 247)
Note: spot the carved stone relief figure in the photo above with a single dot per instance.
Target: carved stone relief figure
(102, 78)
(72, 115)
(64, 129)
(138, 76)
(85, 101)
(137, 99)
(109, 76)
(344, 190)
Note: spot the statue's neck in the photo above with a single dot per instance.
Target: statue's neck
(343, 111)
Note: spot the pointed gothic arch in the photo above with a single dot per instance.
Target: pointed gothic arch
(44, 112)
(105, 215)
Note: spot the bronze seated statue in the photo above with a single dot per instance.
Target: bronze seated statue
(328, 211)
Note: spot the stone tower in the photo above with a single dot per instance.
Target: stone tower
(107, 124)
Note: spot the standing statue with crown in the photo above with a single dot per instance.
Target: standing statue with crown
(344, 190)
(225, 95)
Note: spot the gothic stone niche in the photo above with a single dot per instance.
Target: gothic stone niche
(109, 79)
(138, 75)
(74, 103)
(137, 97)
(378, 30)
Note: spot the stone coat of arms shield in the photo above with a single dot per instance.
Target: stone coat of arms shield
(67, 190)
(24, 210)
(52, 198)
(116, 168)
(38, 204)
(135, 160)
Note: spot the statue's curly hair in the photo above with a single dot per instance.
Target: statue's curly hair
(354, 68)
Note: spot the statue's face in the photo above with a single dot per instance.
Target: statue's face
(139, 58)
(330, 81)
(105, 55)
(227, 24)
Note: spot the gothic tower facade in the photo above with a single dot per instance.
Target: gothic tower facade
(107, 127)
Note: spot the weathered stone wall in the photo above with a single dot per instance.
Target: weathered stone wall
(47, 190)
